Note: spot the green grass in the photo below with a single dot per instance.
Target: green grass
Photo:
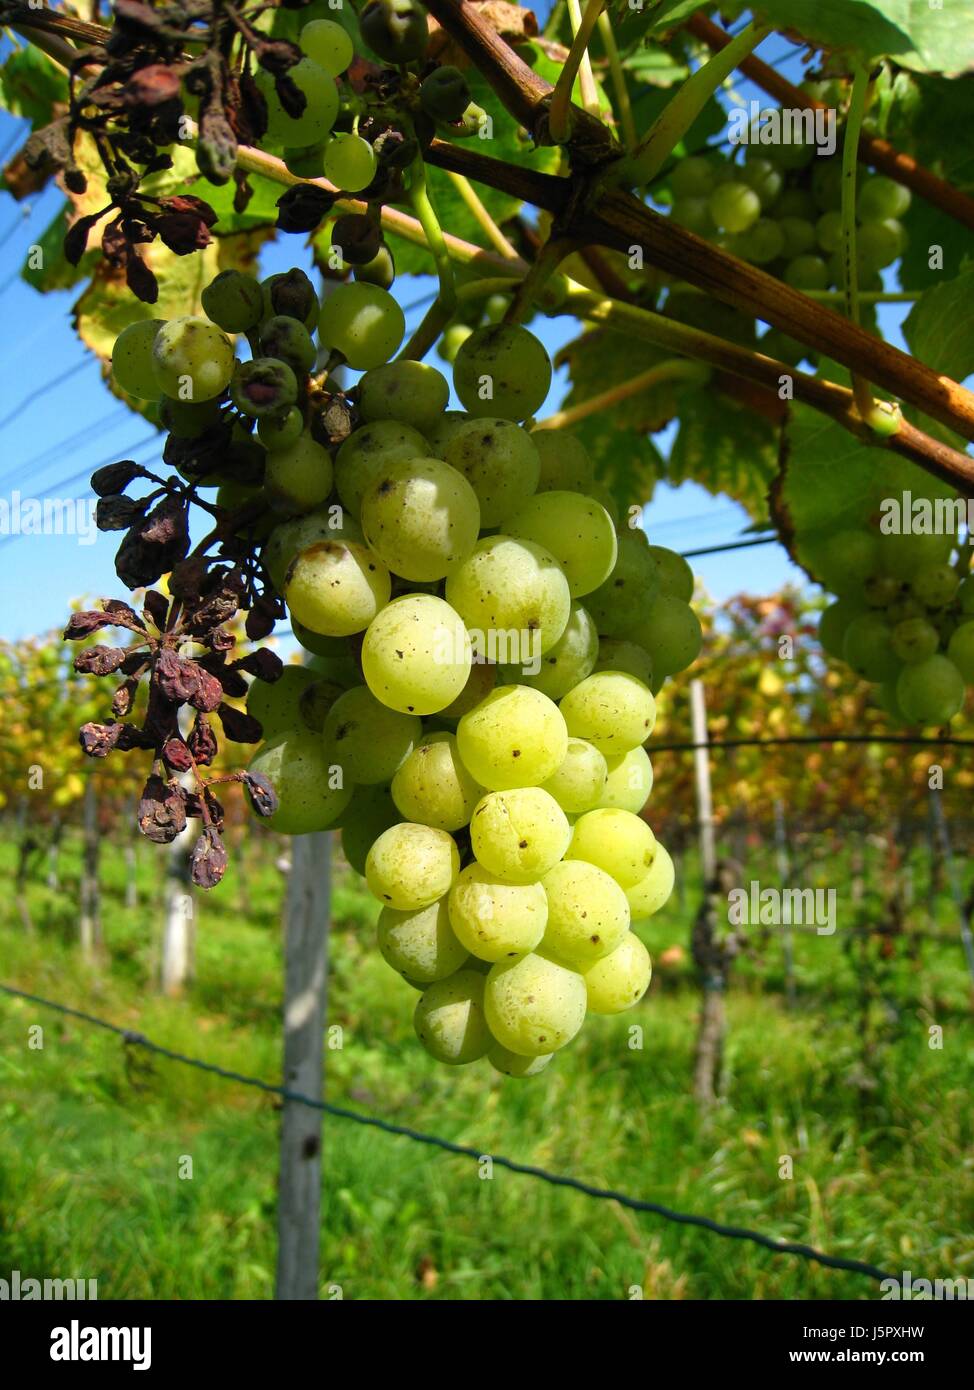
(92, 1134)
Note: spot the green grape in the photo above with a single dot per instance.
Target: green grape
(960, 650)
(828, 231)
(299, 479)
(188, 419)
(880, 198)
(588, 914)
(419, 943)
(620, 979)
(903, 556)
(411, 393)
(674, 574)
(502, 371)
(501, 463)
(310, 793)
(833, 623)
(433, 786)
(694, 215)
(903, 607)
(519, 835)
(628, 783)
(579, 782)
(367, 450)
(565, 464)
(761, 175)
(511, 593)
(798, 236)
(844, 560)
(444, 94)
(790, 156)
(618, 842)
(796, 202)
(306, 161)
(410, 866)
(516, 737)
(442, 434)
(887, 700)
(671, 633)
(880, 591)
(867, 648)
(321, 106)
(734, 207)
(494, 919)
(395, 31)
(692, 176)
(479, 684)
(264, 386)
(281, 432)
(336, 588)
(510, 1064)
(291, 293)
(370, 812)
(621, 600)
(533, 1006)
(449, 1019)
(192, 360)
(286, 340)
(350, 162)
(965, 595)
(807, 273)
(611, 709)
(879, 244)
(914, 640)
(935, 585)
(421, 517)
(652, 892)
(761, 243)
(327, 44)
(827, 184)
(289, 538)
(931, 692)
(454, 336)
(618, 655)
(416, 655)
(133, 366)
(366, 739)
(495, 307)
(569, 661)
(575, 530)
(362, 322)
(600, 493)
(233, 301)
(276, 705)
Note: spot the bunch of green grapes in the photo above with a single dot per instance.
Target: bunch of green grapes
(486, 645)
(903, 616)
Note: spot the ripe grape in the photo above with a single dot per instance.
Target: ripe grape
(761, 175)
(914, 640)
(579, 782)
(734, 206)
(367, 740)
(449, 1019)
(588, 914)
(278, 432)
(878, 244)
(513, 593)
(502, 370)
(620, 979)
(494, 919)
(133, 364)
(367, 450)
(479, 684)
(764, 241)
(930, 692)
(501, 463)
(674, 574)
(350, 162)
(192, 360)
(880, 198)
(629, 781)
(935, 585)
(575, 530)
(421, 517)
(276, 705)
(410, 866)
(416, 655)
(610, 709)
(310, 793)
(615, 654)
(432, 784)
(833, 623)
(565, 463)
(648, 895)
(692, 177)
(410, 393)
(569, 661)
(289, 538)
(370, 812)
(510, 1064)
(516, 737)
(903, 556)
(362, 322)
(960, 650)
(327, 44)
(520, 834)
(337, 587)
(621, 600)
(299, 478)
(419, 943)
(618, 842)
(798, 236)
(533, 1005)
(807, 273)
(671, 633)
(189, 419)
(321, 105)
(233, 301)
(867, 648)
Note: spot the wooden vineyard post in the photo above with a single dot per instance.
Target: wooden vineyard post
(179, 928)
(307, 914)
(701, 770)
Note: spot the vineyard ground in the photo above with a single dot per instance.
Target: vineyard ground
(91, 1136)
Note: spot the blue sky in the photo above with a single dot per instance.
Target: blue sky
(58, 422)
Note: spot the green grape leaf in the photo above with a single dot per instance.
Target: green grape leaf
(53, 270)
(31, 86)
(940, 327)
(931, 236)
(726, 448)
(923, 118)
(917, 35)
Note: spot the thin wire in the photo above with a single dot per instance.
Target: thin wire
(135, 1039)
(42, 460)
(43, 390)
(908, 739)
(732, 545)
